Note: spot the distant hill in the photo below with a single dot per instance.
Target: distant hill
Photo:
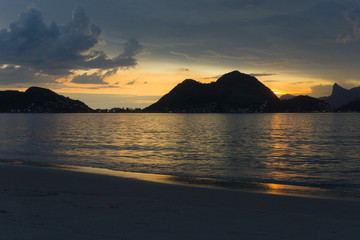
(341, 96)
(39, 100)
(302, 104)
(287, 97)
(233, 92)
(353, 106)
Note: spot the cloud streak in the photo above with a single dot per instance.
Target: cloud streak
(29, 45)
(261, 74)
(131, 82)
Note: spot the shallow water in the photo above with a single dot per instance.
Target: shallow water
(313, 150)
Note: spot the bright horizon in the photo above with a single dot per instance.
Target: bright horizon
(130, 53)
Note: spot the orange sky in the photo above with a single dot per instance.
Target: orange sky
(157, 79)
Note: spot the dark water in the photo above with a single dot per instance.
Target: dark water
(311, 150)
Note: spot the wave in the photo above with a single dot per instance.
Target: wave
(315, 190)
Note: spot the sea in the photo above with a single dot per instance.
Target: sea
(306, 154)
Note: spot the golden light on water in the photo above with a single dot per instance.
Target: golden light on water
(291, 190)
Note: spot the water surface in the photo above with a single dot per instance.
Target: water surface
(313, 150)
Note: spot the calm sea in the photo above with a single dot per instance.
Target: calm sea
(320, 151)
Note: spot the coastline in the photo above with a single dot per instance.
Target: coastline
(48, 203)
(257, 187)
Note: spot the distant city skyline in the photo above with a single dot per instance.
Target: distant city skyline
(128, 53)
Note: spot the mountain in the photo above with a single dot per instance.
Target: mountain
(341, 96)
(233, 92)
(287, 97)
(302, 104)
(36, 99)
(353, 106)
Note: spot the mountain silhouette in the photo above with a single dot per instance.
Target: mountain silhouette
(287, 97)
(302, 104)
(36, 99)
(233, 92)
(341, 96)
(353, 106)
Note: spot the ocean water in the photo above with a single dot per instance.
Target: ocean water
(317, 150)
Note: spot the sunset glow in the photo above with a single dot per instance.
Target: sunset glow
(114, 57)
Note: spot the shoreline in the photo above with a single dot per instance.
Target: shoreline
(256, 187)
(48, 203)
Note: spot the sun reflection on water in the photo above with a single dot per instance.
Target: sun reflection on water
(290, 149)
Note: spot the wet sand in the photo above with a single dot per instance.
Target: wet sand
(46, 203)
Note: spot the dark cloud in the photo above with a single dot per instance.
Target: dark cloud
(131, 48)
(94, 78)
(110, 72)
(131, 82)
(10, 74)
(353, 16)
(59, 50)
(295, 35)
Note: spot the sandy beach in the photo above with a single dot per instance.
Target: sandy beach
(45, 203)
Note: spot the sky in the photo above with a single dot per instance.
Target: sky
(129, 53)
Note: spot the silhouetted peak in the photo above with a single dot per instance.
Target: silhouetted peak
(30, 89)
(38, 90)
(187, 84)
(37, 99)
(287, 97)
(189, 81)
(337, 89)
(232, 75)
(233, 92)
(235, 78)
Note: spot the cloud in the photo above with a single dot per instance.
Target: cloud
(249, 6)
(131, 83)
(272, 81)
(261, 74)
(131, 48)
(111, 72)
(301, 82)
(188, 56)
(212, 77)
(231, 57)
(58, 50)
(321, 90)
(353, 16)
(94, 78)
(10, 74)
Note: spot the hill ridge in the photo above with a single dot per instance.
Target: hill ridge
(39, 100)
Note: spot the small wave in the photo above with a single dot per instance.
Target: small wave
(331, 191)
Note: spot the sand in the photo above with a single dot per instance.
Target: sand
(45, 203)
